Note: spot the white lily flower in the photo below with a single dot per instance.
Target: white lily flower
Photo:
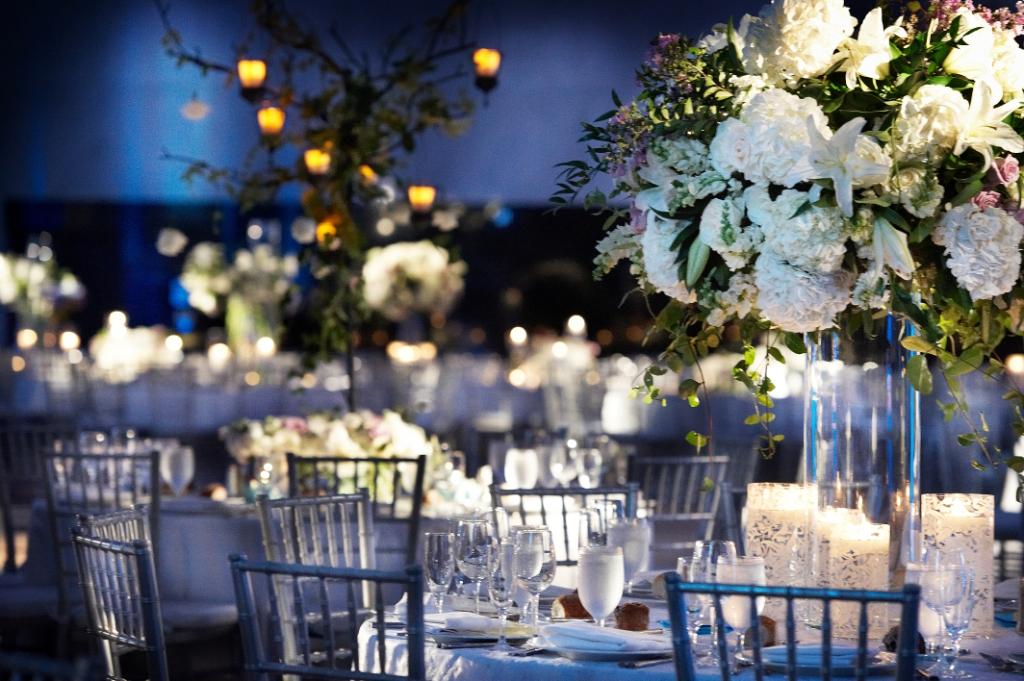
(984, 127)
(891, 249)
(868, 55)
(842, 159)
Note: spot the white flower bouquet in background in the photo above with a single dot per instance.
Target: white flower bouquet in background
(802, 171)
(37, 290)
(411, 277)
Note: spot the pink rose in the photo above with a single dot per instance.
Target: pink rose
(987, 199)
(296, 423)
(1006, 170)
(637, 220)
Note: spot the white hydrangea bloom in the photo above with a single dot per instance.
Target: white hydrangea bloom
(870, 291)
(721, 228)
(415, 276)
(660, 266)
(918, 191)
(170, 242)
(680, 175)
(796, 38)
(809, 237)
(983, 249)
(683, 155)
(928, 123)
(797, 300)
(772, 146)
(1008, 64)
(735, 302)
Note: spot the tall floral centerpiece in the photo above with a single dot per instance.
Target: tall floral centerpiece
(38, 291)
(815, 180)
(338, 122)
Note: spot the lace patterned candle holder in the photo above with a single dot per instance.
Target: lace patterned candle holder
(777, 529)
(965, 522)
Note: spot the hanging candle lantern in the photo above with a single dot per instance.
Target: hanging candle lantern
(421, 198)
(486, 62)
(271, 120)
(318, 161)
(252, 75)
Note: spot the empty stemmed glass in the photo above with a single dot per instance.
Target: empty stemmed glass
(500, 584)
(695, 604)
(705, 569)
(473, 539)
(593, 529)
(439, 564)
(948, 590)
(535, 565)
(633, 536)
(177, 466)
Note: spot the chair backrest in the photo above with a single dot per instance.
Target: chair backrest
(684, 493)
(124, 526)
(395, 486)
(299, 594)
(118, 582)
(27, 667)
(22, 478)
(332, 531)
(558, 508)
(906, 647)
(91, 484)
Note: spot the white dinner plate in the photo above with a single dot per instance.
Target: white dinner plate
(880, 664)
(608, 655)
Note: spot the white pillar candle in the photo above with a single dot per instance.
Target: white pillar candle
(858, 558)
(965, 522)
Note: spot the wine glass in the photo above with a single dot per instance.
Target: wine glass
(522, 468)
(948, 590)
(704, 569)
(535, 565)
(589, 464)
(439, 564)
(499, 521)
(928, 624)
(736, 610)
(177, 467)
(633, 536)
(600, 580)
(593, 530)
(473, 539)
(695, 604)
(500, 584)
(562, 460)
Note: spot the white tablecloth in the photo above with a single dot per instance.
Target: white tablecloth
(196, 537)
(472, 664)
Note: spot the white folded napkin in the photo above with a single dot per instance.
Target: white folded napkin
(586, 636)
(461, 621)
(811, 655)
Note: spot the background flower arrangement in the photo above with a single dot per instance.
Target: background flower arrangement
(797, 173)
(38, 292)
(411, 277)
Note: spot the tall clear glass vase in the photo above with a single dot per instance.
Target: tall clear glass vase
(861, 451)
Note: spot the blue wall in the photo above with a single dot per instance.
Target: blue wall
(91, 99)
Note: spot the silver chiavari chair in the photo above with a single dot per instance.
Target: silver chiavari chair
(557, 508)
(290, 598)
(395, 486)
(27, 667)
(906, 647)
(123, 526)
(95, 484)
(118, 582)
(22, 478)
(683, 493)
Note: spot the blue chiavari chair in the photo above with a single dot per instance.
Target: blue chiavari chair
(906, 651)
(276, 643)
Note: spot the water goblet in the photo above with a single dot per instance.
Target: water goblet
(695, 604)
(736, 610)
(704, 569)
(947, 589)
(535, 565)
(600, 580)
(473, 538)
(633, 536)
(439, 564)
(500, 585)
(593, 530)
